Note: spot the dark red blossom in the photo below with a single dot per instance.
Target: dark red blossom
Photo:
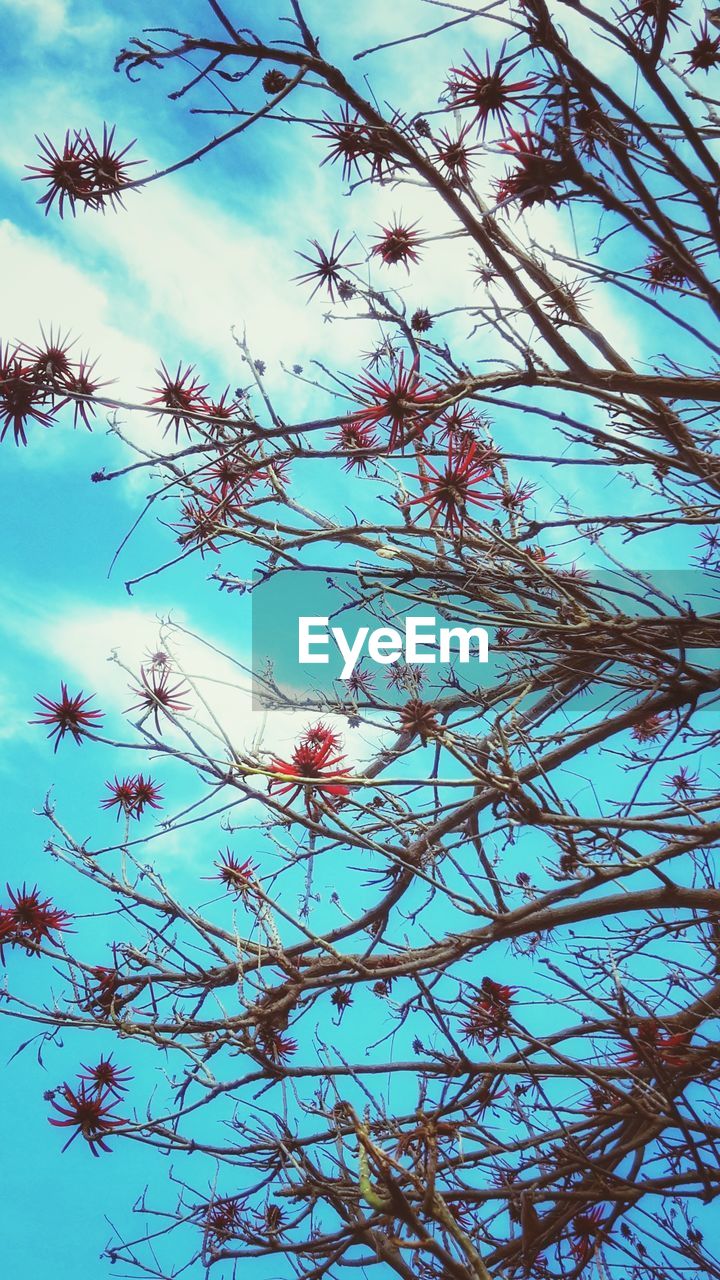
(179, 398)
(277, 1046)
(325, 268)
(321, 735)
(488, 93)
(148, 795)
(449, 492)
(67, 715)
(360, 681)
(646, 16)
(106, 1075)
(35, 919)
(584, 1231)
(398, 243)
(236, 876)
(421, 320)
(404, 403)
(82, 171)
(349, 141)
(221, 1221)
(158, 695)
(81, 385)
(538, 174)
(8, 931)
(457, 155)
(652, 1046)
(359, 442)
(313, 769)
(274, 81)
(24, 396)
(489, 1012)
(103, 992)
(131, 795)
(705, 51)
(89, 1111)
(663, 270)
(650, 729)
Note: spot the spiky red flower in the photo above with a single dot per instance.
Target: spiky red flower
(158, 695)
(457, 155)
(221, 1221)
(325, 268)
(650, 729)
(179, 398)
(539, 173)
(705, 52)
(663, 269)
(313, 769)
(148, 794)
(82, 171)
(584, 1231)
(64, 170)
(349, 141)
(107, 1076)
(35, 919)
(647, 15)
(81, 385)
(683, 783)
(421, 321)
(90, 1113)
(321, 735)
(449, 492)
(237, 877)
(277, 1046)
(488, 93)
(24, 396)
(359, 681)
(359, 442)
(404, 403)
(67, 715)
(132, 795)
(489, 1014)
(398, 243)
(8, 931)
(104, 992)
(652, 1046)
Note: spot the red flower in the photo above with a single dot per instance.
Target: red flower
(313, 769)
(278, 1046)
(489, 1015)
(456, 155)
(453, 489)
(487, 92)
(35, 919)
(65, 172)
(81, 386)
(649, 13)
(538, 174)
(360, 444)
(131, 795)
(236, 876)
(222, 1219)
(325, 268)
(705, 52)
(24, 398)
(349, 141)
(359, 681)
(398, 244)
(406, 405)
(650, 729)
(662, 270)
(104, 994)
(584, 1230)
(147, 794)
(107, 1076)
(180, 397)
(321, 735)
(67, 715)
(157, 695)
(90, 1113)
(8, 931)
(653, 1046)
(82, 171)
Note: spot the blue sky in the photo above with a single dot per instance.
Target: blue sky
(167, 279)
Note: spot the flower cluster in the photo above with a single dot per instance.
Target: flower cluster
(237, 877)
(132, 795)
(313, 768)
(30, 920)
(538, 174)
(180, 401)
(82, 172)
(489, 1013)
(88, 1107)
(37, 382)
